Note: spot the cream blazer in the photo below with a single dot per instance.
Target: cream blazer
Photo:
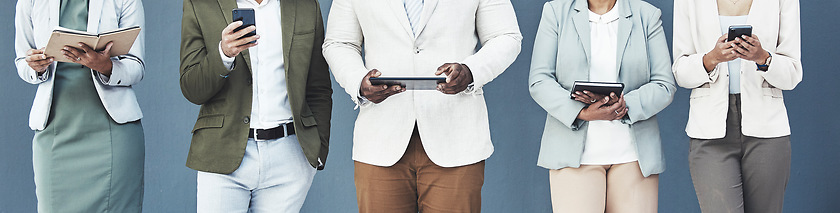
(697, 28)
(34, 22)
(454, 128)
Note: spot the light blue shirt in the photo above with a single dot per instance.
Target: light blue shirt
(734, 65)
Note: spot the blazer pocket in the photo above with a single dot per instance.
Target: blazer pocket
(700, 92)
(209, 121)
(308, 120)
(770, 90)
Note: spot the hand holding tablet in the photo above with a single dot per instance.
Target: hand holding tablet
(410, 82)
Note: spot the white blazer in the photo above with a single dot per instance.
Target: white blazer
(35, 20)
(454, 128)
(697, 28)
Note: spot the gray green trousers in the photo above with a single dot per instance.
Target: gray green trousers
(740, 173)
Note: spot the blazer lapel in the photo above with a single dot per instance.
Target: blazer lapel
(287, 19)
(581, 20)
(428, 10)
(227, 7)
(55, 7)
(625, 26)
(94, 14)
(710, 12)
(398, 9)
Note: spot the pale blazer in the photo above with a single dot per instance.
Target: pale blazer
(454, 128)
(35, 20)
(561, 57)
(697, 28)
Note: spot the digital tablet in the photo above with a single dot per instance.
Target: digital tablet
(410, 82)
(602, 88)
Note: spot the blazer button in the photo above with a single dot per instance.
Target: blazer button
(247, 120)
(250, 81)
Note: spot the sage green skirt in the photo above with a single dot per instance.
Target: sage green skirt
(83, 160)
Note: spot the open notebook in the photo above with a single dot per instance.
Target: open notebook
(123, 40)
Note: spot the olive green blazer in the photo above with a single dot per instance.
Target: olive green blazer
(221, 130)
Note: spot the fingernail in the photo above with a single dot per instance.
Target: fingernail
(65, 48)
(587, 92)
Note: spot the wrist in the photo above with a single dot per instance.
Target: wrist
(709, 63)
(764, 65)
(763, 60)
(582, 115)
(106, 68)
(226, 54)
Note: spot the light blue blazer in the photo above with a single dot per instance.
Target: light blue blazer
(561, 57)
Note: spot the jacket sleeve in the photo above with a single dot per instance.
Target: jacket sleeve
(202, 72)
(688, 66)
(542, 81)
(785, 70)
(501, 41)
(319, 88)
(652, 97)
(25, 41)
(343, 49)
(129, 69)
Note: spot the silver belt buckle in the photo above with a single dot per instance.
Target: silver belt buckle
(256, 137)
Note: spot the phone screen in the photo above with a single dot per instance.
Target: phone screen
(246, 15)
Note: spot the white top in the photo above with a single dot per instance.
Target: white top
(607, 142)
(270, 105)
(734, 65)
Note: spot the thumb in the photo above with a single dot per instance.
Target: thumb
(598, 104)
(107, 50)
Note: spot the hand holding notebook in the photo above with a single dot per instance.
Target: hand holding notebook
(122, 40)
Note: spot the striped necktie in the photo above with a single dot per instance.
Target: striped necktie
(414, 9)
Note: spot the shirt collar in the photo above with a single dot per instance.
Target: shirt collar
(253, 3)
(607, 18)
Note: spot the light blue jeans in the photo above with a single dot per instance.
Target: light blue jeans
(274, 176)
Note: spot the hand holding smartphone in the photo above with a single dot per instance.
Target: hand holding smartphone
(246, 15)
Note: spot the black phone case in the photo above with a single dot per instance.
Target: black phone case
(736, 31)
(246, 15)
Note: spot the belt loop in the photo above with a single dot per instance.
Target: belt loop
(285, 130)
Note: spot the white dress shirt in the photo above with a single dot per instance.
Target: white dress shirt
(607, 142)
(270, 106)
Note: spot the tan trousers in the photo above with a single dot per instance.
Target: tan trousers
(415, 184)
(603, 188)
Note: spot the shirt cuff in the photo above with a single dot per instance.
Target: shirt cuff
(102, 78)
(227, 61)
(43, 76)
(473, 90)
(362, 102)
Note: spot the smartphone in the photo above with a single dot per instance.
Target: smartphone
(736, 31)
(246, 15)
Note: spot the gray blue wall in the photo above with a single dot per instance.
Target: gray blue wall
(513, 182)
